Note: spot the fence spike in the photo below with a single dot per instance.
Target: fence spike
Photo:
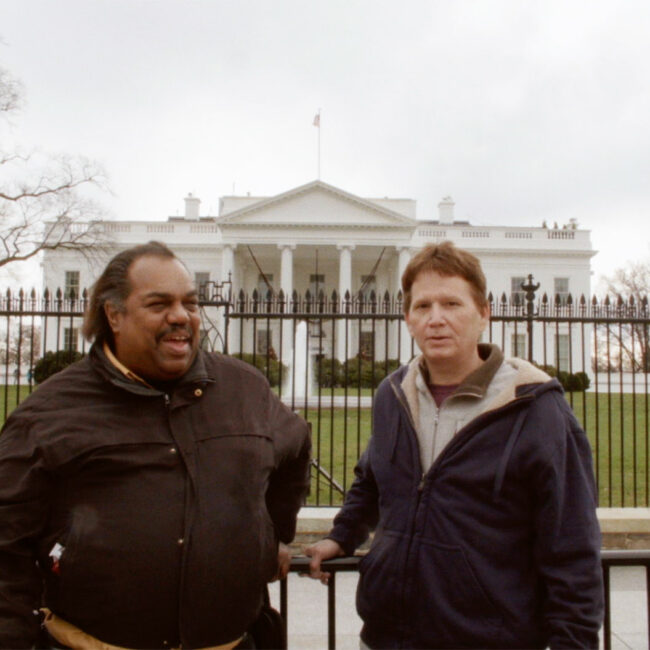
(334, 302)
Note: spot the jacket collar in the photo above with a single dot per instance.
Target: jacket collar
(477, 382)
(197, 373)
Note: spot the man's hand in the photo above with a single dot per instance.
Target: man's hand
(326, 549)
(284, 561)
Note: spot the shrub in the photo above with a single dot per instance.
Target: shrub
(571, 381)
(366, 374)
(266, 365)
(329, 373)
(51, 362)
(359, 373)
(584, 378)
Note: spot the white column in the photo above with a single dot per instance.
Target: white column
(404, 256)
(228, 270)
(345, 284)
(286, 284)
(286, 268)
(228, 262)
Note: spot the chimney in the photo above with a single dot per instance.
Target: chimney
(192, 206)
(446, 210)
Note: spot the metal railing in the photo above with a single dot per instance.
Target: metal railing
(600, 349)
(610, 559)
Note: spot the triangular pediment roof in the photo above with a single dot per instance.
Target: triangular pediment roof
(316, 204)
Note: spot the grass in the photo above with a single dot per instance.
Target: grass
(618, 428)
(10, 397)
(617, 425)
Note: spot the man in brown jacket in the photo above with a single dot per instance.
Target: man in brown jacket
(144, 491)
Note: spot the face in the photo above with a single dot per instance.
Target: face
(157, 333)
(446, 324)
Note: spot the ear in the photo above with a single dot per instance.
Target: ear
(112, 316)
(407, 320)
(485, 315)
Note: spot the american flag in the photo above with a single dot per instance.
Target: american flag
(317, 120)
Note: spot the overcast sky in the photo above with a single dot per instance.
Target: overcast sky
(522, 111)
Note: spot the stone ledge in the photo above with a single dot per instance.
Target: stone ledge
(625, 528)
(622, 528)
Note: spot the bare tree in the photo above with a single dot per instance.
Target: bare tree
(45, 202)
(630, 286)
(22, 345)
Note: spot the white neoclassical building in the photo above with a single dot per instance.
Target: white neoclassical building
(319, 237)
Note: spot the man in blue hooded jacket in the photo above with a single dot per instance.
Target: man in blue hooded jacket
(478, 481)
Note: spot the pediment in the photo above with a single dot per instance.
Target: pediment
(317, 204)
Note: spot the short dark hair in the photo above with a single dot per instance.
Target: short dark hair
(113, 287)
(447, 260)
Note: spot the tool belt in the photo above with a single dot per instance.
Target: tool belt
(71, 636)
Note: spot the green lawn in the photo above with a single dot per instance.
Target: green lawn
(339, 436)
(618, 427)
(10, 397)
(620, 461)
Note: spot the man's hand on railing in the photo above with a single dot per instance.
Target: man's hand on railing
(326, 549)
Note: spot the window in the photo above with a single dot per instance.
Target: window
(561, 290)
(201, 279)
(519, 345)
(316, 284)
(70, 338)
(366, 344)
(517, 294)
(71, 284)
(562, 352)
(368, 285)
(263, 282)
(263, 343)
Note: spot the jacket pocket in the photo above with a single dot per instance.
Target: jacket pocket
(451, 607)
(379, 588)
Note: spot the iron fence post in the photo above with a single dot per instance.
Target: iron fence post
(530, 288)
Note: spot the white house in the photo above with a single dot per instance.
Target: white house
(320, 237)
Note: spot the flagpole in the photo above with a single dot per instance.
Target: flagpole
(317, 125)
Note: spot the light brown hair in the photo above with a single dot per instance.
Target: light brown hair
(447, 260)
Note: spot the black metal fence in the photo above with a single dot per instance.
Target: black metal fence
(326, 354)
(609, 560)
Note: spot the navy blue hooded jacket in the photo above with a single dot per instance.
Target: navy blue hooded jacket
(497, 545)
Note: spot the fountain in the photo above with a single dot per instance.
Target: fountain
(299, 382)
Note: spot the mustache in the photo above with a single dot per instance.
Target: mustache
(175, 330)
